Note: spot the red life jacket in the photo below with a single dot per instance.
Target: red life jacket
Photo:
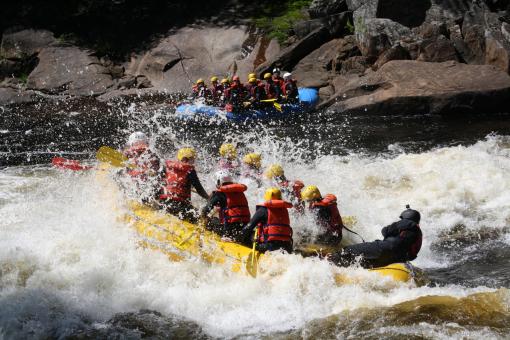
(177, 186)
(292, 188)
(335, 220)
(237, 210)
(139, 155)
(277, 227)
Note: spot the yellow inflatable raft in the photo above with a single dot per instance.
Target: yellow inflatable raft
(180, 239)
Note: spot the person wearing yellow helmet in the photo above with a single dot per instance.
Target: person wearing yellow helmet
(228, 159)
(326, 212)
(273, 223)
(272, 88)
(291, 189)
(180, 176)
(252, 167)
(256, 93)
(216, 89)
(201, 91)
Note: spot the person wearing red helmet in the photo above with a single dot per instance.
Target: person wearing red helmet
(236, 93)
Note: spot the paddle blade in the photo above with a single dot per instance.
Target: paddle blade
(112, 156)
(277, 106)
(349, 221)
(252, 263)
(68, 164)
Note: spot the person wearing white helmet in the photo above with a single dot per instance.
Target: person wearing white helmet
(232, 205)
(290, 88)
(147, 165)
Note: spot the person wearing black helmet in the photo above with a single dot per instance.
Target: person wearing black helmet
(401, 243)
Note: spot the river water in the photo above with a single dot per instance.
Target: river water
(69, 267)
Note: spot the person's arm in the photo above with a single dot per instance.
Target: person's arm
(217, 199)
(260, 216)
(195, 182)
(390, 230)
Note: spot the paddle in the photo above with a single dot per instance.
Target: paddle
(275, 104)
(69, 164)
(113, 157)
(251, 263)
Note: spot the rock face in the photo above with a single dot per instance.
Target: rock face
(69, 70)
(19, 45)
(291, 55)
(192, 53)
(421, 87)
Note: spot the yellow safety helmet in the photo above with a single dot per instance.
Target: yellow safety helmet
(253, 159)
(228, 151)
(213, 79)
(272, 194)
(200, 81)
(188, 153)
(224, 81)
(252, 80)
(274, 170)
(310, 193)
(252, 75)
(268, 76)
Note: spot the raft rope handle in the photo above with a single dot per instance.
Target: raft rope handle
(355, 233)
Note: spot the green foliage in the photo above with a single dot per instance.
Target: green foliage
(23, 78)
(349, 27)
(277, 18)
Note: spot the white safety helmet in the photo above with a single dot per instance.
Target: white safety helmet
(287, 75)
(276, 70)
(223, 177)
(137, 137)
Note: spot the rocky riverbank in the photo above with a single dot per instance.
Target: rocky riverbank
(368, 56)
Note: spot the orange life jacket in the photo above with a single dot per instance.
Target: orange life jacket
(277, 227)
(335, 220)
(237, 210)
(177, 186)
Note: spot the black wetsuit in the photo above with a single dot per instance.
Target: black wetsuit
(402, 242)
(261, 216)
(233, 230)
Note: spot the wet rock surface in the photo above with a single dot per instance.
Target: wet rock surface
(420, 87)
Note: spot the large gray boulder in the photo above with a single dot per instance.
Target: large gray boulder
(314, 69)
(382, 24)
(486, 40)
(324, 8)
(201, 52)
(406, 86)
(25, 43)
(290, 56)
(69, 70)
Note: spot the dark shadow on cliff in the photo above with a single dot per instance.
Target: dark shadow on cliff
(117, 27)
(405, 12)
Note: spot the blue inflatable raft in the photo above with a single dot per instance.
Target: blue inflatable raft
(308, 98)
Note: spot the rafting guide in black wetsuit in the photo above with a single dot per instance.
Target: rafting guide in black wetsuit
(401, 243)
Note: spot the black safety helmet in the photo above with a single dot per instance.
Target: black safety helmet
(411, 214)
